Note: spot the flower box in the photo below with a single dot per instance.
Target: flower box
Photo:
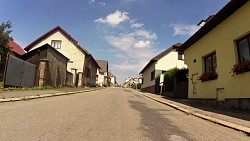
(208, 76)
(241, 67)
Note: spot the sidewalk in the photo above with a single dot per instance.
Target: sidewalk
(238, 120)
(6, 96)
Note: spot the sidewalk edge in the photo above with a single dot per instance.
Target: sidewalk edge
(46, 95)
(208, 118)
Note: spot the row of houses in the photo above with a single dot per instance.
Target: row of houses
(217, 56)
(60, 60)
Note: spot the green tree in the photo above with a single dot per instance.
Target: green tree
(4, 38)
(5, 30)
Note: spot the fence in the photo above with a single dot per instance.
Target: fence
(19, 73)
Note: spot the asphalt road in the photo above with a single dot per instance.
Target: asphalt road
(112, 114)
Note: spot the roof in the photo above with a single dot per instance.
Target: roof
(103, 64)
(159, 56)
(57, 28)
(110, 74)
(205, 21)
(16, 48)
(93, 59)
(223, 14)
(43, 47)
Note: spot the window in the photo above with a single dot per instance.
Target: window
(56, 44)
(180, 56)
(243, 47)
(210, 63)
(96, 77)
(152, 75)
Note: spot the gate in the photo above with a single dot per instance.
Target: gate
(19, 73)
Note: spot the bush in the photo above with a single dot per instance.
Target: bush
(139, 85)
(169, 78)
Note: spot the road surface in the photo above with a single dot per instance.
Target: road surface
(111, 114)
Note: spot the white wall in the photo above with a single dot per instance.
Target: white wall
(146, 75)
(100, 79)
(170, 61)
(68, 49)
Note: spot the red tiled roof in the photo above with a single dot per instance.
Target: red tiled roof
(16, 48)
(159, 56)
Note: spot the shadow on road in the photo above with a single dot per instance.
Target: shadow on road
(154, 125)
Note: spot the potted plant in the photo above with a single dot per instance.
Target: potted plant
(241, 67)
(208, 76)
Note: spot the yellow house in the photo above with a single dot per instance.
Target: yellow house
(81, 67)
(212, 53)
(164, 61)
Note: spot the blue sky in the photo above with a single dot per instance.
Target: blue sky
(127, 33)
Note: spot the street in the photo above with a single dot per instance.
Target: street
(111, 114)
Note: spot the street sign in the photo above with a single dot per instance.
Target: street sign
(161, 80)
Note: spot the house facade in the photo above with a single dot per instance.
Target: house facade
(112, 79)
(164, 61)
(131, 83)
(69, 47)
(51, 66)
(216, 56)
(102, 73)
(91, 68)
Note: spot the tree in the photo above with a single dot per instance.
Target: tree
(5, 30)
(4, 38)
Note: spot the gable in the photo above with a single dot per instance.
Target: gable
(223, 14)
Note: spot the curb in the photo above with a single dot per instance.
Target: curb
(46, 95)
(208, 118)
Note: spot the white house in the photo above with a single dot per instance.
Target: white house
(102, 73)
(112, 78)
(159, 64)
(81, 68)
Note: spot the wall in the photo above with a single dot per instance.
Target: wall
(57, 67)
(222, 40)
(170, 61)
(91, 81)
(146, 75)
(100, 79)
(68, 49)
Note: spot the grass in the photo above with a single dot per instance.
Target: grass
(1, 84)
(24, 89)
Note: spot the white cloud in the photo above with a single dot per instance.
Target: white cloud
(144, 34)
(114, 18)
(91, 1)
(136, 46)
(142, 44)
(136, 25)
(102, 3)
(184, 29)
(133, 44)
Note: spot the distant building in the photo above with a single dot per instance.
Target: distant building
(112, 78)
(102, 73)
(16, 49)
(164, 61)
(131, 83)
(81, 68)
